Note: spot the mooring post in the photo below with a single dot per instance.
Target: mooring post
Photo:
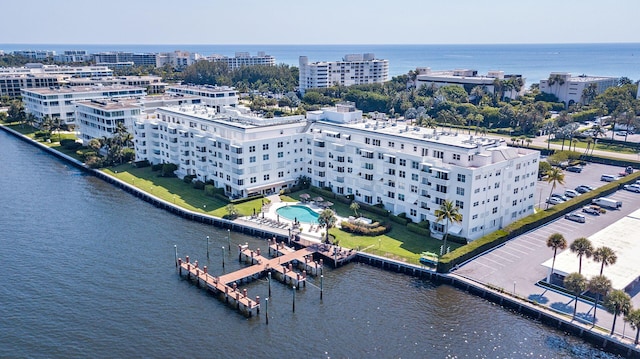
(207, 247)
(179, 262)
(269, 281)
(222, 257)
(175, 247)
(294, 298)
(266, 309)
(229, 239)
(321, 280)
(257, 304)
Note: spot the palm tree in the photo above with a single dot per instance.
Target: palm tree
(599, 285)
(556, 79)
(354, 207)
(327, 219)
(633, 318)
(554, 176)
(528, 141)
(448, 213)
(606, 256)
(589, 142)
(589, 93)
(582, 247)
(555, 241)
(576, 283)
(617, 302)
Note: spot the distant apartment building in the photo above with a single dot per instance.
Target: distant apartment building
(69, 56)
(59, 102)
(354, 69)
(406, 169)
(35, 54)
(100, 118)
(120, 57)
(153, 84)
(570, 89)
(468, 79)
(177, 59)
(244, 59)
(212, 96)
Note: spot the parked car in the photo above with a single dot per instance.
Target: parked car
(554, 200)
(576, 169)
(632, 187)
(571, 193)
(576, 217)
(561, 196)
(583, 188)
(608, 178)
(593, 210)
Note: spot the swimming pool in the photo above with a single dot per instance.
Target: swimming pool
(301, 213)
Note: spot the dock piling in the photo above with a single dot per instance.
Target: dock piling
(294, 298)
(321, 280)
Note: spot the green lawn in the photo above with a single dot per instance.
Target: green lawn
(600, 146)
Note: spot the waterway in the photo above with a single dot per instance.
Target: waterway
(88, 271)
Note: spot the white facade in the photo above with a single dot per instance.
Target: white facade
(244, 59)
(60, 102)
(177, 59)
(100, 118)
(408, 169)
(212, 96)
(467, 79)
(355, 69)
(75, 71)
(569, 88)
(73, 56)
(341, 113)
(35, 54)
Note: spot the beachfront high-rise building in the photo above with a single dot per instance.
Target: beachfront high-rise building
(59, 102)
(244, 59)
(119, 57)
(570, 89)
(406, 169)
(468, 79)
(354, 69)
(35, 54)
(73, 56)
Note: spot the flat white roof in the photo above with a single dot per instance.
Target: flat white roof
(619, 237)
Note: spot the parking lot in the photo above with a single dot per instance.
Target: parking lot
(516, 265)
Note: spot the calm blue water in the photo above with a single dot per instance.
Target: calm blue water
(301, 213)
(535, 62)
(88, 272)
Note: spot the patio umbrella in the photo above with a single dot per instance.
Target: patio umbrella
(305, 196)
(318, 199)
(327, 204)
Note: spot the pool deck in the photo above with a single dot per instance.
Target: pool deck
(270, 218)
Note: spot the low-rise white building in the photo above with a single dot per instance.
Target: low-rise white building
(570, 89)
(406, 169)
(100, 118)
(244, 59)
(212, 96)
(59, 102)
(468, 79)
(354, 69)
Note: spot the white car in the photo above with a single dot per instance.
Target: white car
(632, 187)
(575, 217)
(554, 200)
(571, 193)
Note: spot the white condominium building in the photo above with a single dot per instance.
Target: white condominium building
(212, 96)
(407, 169)
(153, 84)
(355, 69)
(100, 118)
(468, 79)
(244, 59)
(570, 89)
(59, 102)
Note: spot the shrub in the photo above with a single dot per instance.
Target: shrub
(209, 189)
(168, 170)
(128, 154)
(85, 153)
(374, 229)
(198, 185)
(416, 228)
(399, 219)
(72, 146)
(188, 178)
(65, 142)
(94, 162)
(157, 167)
(142, 164)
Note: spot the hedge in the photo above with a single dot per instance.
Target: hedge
(374, 229)
(398, 219)
(523, 225)
(416, 228)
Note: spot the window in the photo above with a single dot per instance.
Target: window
(265, 147)
(517, 178)
(403, 162)
(252, 180)
(440, 188)
(414, 177)
(515, 191)
(497, 185)
(280, 174)
(460, 191)
(494, 210)
(413, 212)
(266, 177)
(391, 194)
(495, 198)
(392, 171)
(400, 197)
(414, 189)
(401, 174)
(438, 154)
(252, 159)
(475, 216)
(415, 165)
(459, 204)
(477, 190)
(265, 157)
(252, 148)
(475, 204)
(280, 144)
(456, 156)
(461, 177)
(391, 144)
(280, 154)
(515, 202)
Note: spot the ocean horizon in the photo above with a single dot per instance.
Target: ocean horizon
(533, 61)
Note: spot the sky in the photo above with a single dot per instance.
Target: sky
(319, 22)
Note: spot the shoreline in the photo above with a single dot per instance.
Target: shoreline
(537, 312)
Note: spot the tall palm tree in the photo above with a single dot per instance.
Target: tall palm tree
(327, 219)
(576, 283)
(448, 213)
(589, 142)
(633, 318)
(582, 247)
(599, 285)
(354, 207)
(555, 241)
(556, 79)
(617, 302)
(589, 93)
(606, 256)
(555, 176)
